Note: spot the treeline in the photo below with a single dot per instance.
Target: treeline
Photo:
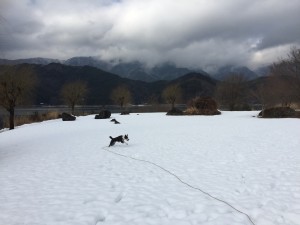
(280, 88)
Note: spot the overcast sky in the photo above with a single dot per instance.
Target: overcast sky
(193, 33)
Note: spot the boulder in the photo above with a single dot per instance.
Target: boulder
(67, 117)
(104, 114)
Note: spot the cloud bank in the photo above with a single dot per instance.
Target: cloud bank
(194, 33)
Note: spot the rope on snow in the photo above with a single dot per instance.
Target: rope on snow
(183, 182)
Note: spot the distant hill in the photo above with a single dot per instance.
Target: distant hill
(134, 70)
(42, 61)
(226, 71)
(138, 71)
(165, 71)
(88, 61)
(100, 83)
(263, 71)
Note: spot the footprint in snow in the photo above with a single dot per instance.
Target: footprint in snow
(119, 198)
(100, 219)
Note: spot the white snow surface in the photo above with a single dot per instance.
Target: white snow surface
(61, 173)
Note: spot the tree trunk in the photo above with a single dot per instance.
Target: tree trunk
(72, 108)
(173, 105)
(11, 118)
(122, 101)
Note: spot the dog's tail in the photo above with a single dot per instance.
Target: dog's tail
(110, 137)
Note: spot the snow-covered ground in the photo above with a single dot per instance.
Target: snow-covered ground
(61, 173)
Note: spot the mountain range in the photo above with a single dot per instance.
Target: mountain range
(139, 71)
(52, 77)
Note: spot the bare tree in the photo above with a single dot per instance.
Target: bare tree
(295, 59)
(289, 67)
(263, 95)
(172, 94)
(16, 86)
(282, 91)
(73, 93)
(231, 92)
(121, 96)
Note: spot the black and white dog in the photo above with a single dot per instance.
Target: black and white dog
(120, 138)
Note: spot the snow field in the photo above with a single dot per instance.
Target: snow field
(60, 173)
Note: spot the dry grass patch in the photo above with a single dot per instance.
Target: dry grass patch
(36, 117)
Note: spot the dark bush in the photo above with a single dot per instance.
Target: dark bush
(203, 106)
(174, 112)
(278, 112)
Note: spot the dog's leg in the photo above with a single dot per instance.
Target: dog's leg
(112, 142)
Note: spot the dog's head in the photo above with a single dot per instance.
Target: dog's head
(126, 137)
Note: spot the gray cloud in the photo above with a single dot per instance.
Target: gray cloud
(195, 33)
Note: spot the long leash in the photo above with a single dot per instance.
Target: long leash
(183, 182)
